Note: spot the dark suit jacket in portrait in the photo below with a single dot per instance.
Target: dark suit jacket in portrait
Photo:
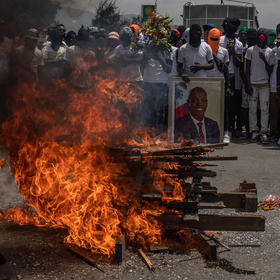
(185, 127)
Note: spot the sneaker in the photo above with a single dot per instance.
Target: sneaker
(264, 138)
(255, 135)
(226, 138)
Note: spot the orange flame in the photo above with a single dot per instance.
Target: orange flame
(57, 138)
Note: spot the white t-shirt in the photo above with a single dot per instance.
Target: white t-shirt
(153, 70)
(174, 71)
(222, 55)
(238, 47)
(189, 55)
(259, 75)
(131, 59)
(232, 69)
(50, 54)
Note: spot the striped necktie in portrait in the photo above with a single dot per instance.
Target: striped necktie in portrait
(200, 132)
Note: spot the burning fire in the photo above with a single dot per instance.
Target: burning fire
(57, 139)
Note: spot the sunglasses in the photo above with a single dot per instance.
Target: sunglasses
(214, 39)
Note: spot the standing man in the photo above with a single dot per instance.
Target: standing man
(221, 62)
(251, 39)
(235, 49)
(29, 59)
(275, 93)
(258, 71)
(206, 29)
(195, 58)
(54, 55)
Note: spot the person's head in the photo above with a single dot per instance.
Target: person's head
(55, 36)
(135, 29)
(113, 40)
(206, 29)
(230, 26)
(271, 37)
(174, 37)
(262, 37)
(100, 39)
(83, 40)
(62, 29)
(214, 39)
(197, 102)
(70, 38)
(242, 35)
(251, 37)
(195, 35)
(125, 36)
(181, 29)
(31, 38)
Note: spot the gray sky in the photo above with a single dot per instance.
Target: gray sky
(269, 14)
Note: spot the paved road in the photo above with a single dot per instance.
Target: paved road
(39, 253)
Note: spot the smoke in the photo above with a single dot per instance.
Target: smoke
(75, 13)
(86, 5)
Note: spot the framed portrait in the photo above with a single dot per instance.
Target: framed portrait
(196, 110)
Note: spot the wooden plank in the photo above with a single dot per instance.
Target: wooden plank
(233, 199)
(158, 248)
(184, 150)
(85, 255)
(246, 185)
(213, 222)
(218, 158)
(120, 249)
(188, 159)
(146, 259)
(232, 223)
(208, 248)
(186, 205)
(211, 205)
(251, 202)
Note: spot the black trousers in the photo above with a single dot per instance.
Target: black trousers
(233, 120)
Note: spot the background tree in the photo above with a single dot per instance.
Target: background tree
(107, 15)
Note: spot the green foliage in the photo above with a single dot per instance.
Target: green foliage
(107, 15)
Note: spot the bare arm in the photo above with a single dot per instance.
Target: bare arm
(248, 74)
(197, 67)
(181, 73)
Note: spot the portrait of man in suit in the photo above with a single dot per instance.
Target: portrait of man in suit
(195, 125)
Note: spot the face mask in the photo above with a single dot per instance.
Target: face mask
(195, 39)
(262, 40)
(251, 41)
(229, 30)
(270, 41)
(214, 39)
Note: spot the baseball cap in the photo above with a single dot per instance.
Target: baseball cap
(208, 26)
(113, 35)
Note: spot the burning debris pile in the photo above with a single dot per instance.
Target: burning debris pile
(81, 165)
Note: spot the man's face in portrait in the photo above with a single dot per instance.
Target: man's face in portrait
(197, 103)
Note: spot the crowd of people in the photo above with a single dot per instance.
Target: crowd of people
(247, 60)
